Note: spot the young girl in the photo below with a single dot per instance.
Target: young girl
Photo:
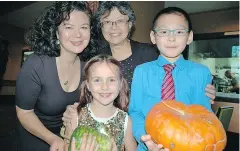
(104, 102)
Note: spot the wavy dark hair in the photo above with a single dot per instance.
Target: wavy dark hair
(41, 36)
(105, 7)
(121, 101)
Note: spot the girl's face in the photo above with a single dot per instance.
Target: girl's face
(115, 27)
(104, 83)
(74, 34)
(172, 45)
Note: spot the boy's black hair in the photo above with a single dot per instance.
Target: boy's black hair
(173, 10)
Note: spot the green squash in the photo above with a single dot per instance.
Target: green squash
(102, 139)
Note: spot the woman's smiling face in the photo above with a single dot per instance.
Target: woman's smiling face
(115, 27)
(74, 33)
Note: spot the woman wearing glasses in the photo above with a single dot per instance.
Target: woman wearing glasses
(114, 21)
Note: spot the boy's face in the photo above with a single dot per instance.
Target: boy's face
(171, 44)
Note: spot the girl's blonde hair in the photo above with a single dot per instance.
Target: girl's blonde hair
(122, 99)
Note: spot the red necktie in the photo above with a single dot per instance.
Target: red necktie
(168, 91)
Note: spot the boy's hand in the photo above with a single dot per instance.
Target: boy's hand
(210, 92)
(151, 145)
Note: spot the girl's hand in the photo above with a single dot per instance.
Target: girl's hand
(114, 145)
(151, 145)
(88, 144)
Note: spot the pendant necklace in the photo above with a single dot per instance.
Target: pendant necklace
(72, 68)
(66, 82)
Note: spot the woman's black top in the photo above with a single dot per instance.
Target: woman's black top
(141, 53)
(38, 88)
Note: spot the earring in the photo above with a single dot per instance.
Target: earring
(57, 42)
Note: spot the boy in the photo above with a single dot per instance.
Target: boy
(170, 77)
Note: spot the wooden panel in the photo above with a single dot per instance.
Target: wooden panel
(217, 21)
(234, 123)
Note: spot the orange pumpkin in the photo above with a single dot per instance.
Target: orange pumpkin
(180, 127)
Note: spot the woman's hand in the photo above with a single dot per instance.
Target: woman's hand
(70, 118)
(210, 92)
(57, 144)
(88, 144)
(36, 128)
(70, 121)
(70, 114)
(151, 145)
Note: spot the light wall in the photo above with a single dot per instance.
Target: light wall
(145, 12)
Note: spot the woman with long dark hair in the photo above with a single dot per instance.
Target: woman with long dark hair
(50, 78)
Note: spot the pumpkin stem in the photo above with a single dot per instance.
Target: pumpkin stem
(179, 111)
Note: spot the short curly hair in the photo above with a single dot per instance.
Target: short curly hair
(41, 36)
(106, 7)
